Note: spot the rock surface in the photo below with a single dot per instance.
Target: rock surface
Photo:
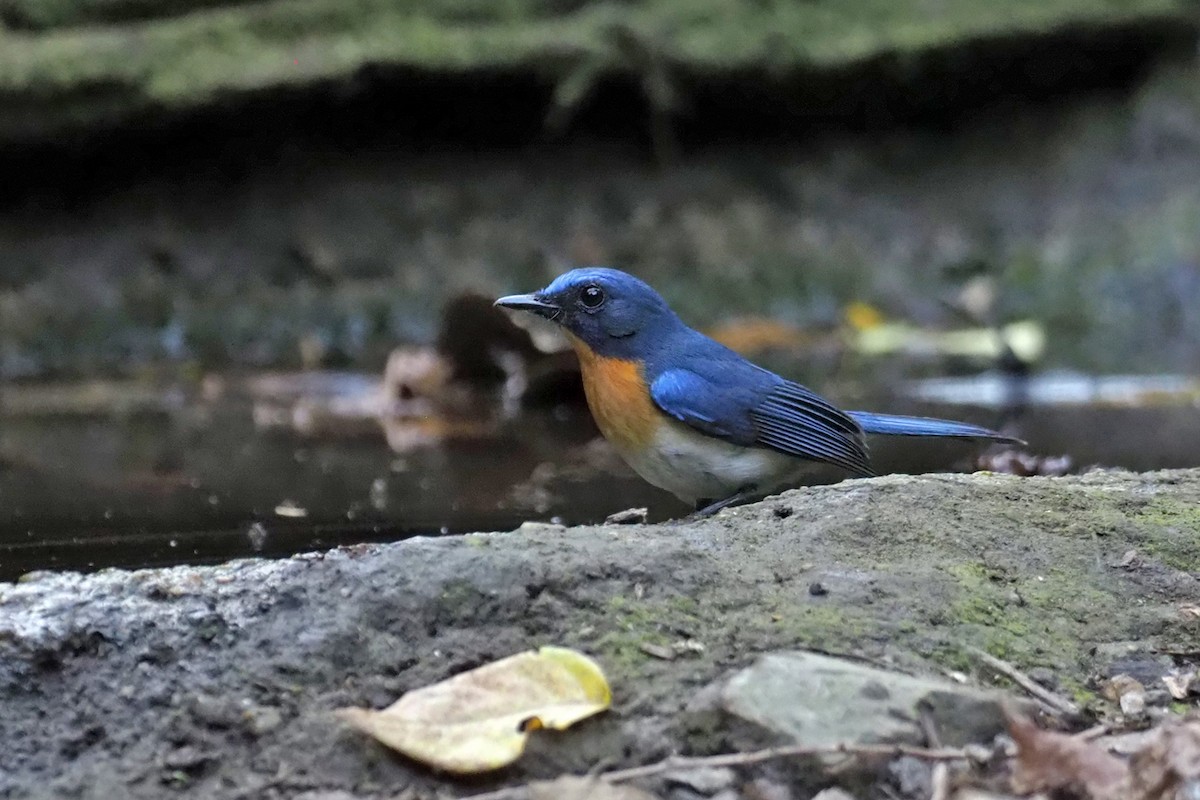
(819, 700)
(218, 682)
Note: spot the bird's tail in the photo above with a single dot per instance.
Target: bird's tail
(896, 425)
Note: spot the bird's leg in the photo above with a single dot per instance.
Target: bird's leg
(706, 508)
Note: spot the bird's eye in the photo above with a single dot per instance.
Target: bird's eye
(591, 296)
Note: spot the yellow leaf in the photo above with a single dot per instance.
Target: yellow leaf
(479, 720)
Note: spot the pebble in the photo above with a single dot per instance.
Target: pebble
(763, 789)
(707, 781)
(912, 776)
(1044, 676)
(630, 516)
(261, 720)
(833, 793)
(186, 758)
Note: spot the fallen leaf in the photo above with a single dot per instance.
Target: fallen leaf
(479, 720)
(1171, 762)
(1050, 761)
(1179, 684)
(570, 787)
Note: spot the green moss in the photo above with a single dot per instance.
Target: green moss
(1036, 619)
(631, 623)
(173, 58)
(1171, 533)
(1082, 696)
(827, 627)
(457, 597)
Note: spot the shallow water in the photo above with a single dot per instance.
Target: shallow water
(200, 482)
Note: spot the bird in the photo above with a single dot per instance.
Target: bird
(693, 417)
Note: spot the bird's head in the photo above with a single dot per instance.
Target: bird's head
(604, 308)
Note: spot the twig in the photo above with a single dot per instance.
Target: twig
(1053, 701)
(753, 757)
(511, 793)
(786, 751)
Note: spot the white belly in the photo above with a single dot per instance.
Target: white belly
(693, 466)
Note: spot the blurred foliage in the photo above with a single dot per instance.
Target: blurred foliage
(164, 53)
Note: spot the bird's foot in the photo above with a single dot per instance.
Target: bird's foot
(706, 508)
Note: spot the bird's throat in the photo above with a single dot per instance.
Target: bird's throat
(618, 397)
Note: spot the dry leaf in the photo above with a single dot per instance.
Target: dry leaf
(1179, 684)
(1162, 769)
(1047, 761)
(570, 787)
(479, 720)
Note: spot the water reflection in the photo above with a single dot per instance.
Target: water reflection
(164, 477)
(205, 482)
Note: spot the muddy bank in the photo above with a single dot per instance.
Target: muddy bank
(217, 681)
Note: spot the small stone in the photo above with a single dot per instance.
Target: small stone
(823, 700)
(187, 758)
(817, 589)
(706, 781)
(1118, 686)
(657, 651)
(763, 789)
(833, 793)
(261, 720)
(215, 712)
(1133, 703)
(912, 776)
(630, 516)
(530, 528)
(1044, 676)
(1130, 560)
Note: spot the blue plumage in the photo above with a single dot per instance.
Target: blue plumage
(732, 424)
(896, 425)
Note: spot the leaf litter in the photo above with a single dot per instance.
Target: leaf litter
(1165, 767)
(479, 720)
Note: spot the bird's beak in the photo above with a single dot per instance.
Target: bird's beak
(530, 303)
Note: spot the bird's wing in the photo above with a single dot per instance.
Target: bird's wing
(763, 411)
(696, 401)
(799, 422)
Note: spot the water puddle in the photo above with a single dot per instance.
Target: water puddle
(108, 474)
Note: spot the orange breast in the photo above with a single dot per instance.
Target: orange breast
(618, 397)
